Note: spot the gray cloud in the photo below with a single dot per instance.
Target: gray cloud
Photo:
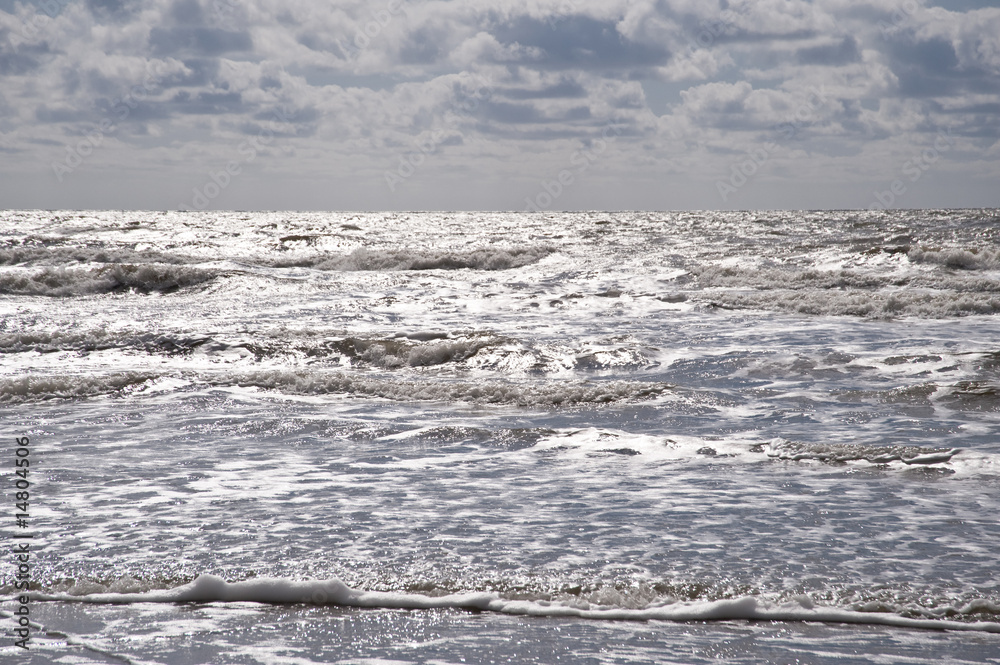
(197, 41)
(21, 59)
(111, 10)
(562, 90)
(207, 102)
(577, 42)
(841, 53)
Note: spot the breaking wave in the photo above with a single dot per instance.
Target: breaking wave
(873, 305)
(852, 452)
(486, 392)
(959, 259)
(403, 352)
(211, 588)
(36, 255)
(33, 388)
(142, 278)
(491, 258)
(44, 341)
(767, 278)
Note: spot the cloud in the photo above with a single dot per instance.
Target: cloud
(577, 42)
(841, 52)
(197, 41)
(500, 91)
(566, 88)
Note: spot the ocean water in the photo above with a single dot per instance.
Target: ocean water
(504, 438)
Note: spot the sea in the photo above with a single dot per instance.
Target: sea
(495, 437)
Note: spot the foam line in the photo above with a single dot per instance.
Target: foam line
(211, 588)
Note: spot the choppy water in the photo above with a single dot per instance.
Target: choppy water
(494, 436)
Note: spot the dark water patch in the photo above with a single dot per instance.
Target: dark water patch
(973, 396)
(902, 395)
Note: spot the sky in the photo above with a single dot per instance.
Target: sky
(543, 105)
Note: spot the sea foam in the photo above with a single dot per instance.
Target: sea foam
(211, 588)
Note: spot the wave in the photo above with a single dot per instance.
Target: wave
(873, 305)
(33, 388)
(786, 278)
(486, 391)
(973, 396)
(962, 395)
(430, 349)
(716, 276)
(490, 258)
(564, 393)
(214, 589)
(141, 278)
(851, 452)
(403, 352)
(45, 341)
(35, 255)
(593, 442)
(959, 259)
(427, 348)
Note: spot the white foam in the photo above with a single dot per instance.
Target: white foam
(598, 441)
(211, 588)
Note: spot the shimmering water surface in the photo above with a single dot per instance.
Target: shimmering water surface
(573, 437)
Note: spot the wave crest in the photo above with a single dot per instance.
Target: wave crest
(853, 452)
(487, 392)
(141, 278)
(959, 259)
(31, 388)
(490, 258)
(211, 588)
